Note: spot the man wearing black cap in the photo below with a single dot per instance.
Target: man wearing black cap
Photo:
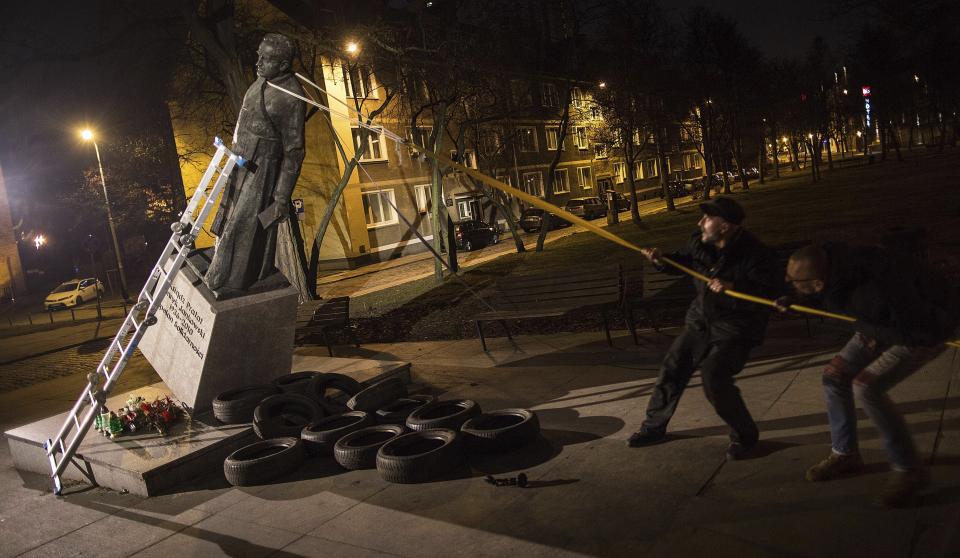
(720, 330)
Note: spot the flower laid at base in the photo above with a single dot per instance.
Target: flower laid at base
(138, 416)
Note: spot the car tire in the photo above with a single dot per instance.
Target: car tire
(419, 456)
(377, 395)
(263, 461)
(320, 437)
(236, 406)
(296, 382)
(500, 430)
(398, 411)
(79, 301)
(321, 384)
(358, 449)
(285, 415)
(443, 414)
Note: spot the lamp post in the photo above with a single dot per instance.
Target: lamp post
(87, 135)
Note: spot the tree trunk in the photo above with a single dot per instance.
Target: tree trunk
(829, 155)
(664, 182)
(436, 190)
(762, 159)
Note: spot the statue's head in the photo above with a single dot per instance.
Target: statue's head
(275, 55)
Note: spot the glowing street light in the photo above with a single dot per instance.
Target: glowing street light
(859, 134)
(87, 135)
(602, 85)
(39, 241)
(352, 47)
(784, 138)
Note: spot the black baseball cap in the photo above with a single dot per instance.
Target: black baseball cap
(724, 207)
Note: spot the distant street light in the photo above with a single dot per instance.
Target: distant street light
(87, 135)
(859, 133)
(602, 85)
(352, 47)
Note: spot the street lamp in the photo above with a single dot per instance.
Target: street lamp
(87, 135)
(39, 241)
(602, 85)
(352, 47)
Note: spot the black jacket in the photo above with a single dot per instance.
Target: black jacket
(895, 301)
(753, 269)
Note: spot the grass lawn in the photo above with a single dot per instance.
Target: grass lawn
(854, 204)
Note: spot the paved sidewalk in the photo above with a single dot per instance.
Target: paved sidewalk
(590, 494)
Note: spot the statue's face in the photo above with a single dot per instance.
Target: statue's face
(269, 64)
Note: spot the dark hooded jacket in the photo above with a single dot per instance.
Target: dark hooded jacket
(753, 269)
(895, 301)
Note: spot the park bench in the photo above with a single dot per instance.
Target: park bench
(329, 317)
(556, 295)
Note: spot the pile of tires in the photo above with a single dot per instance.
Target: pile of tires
(296, 382)
(501, 430)
(263, 461)
(285, 415)
(236, 406)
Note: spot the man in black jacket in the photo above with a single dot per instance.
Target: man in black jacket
(900, 327)
(720, 330)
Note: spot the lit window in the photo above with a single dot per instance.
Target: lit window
(580, 133)
(420, 136)
(358, 82)
(373, 148)
(576, 97)
(599, 151)
(584, 178)
(533, 183)
(378, 208)
(619, 172)
(527, 139)
(553, 137)
(561, 182)
(422, 194)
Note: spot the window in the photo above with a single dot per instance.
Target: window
(561, 182)
(692, 161)
(378, 208)
(580, 135)
(599, 151)
(594, 112)
(584, 178)
(548, 95)
(421, 193)
(651, 168)
(521, 93)
(468, 159)
(553, 138)
(532, 183)
(373, 148)
(619, 172)
(505, 178)
(638, 169)
(490, 141)
(358, 82)
(527, 138)
(419, 136)
(576, 97)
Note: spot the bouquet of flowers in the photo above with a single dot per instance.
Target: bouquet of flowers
(139, 415)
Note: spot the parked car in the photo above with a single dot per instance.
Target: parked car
(622, 202)
(532, 219)
(473, 233)
(586, 208)
(678, 188)
(72, 293)
(753, 172)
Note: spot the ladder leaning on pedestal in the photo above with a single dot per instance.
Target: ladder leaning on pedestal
(142, 314)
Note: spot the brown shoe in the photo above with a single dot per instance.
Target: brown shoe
(835, 466)
(902, 487)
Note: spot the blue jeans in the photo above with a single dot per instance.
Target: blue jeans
(864, 372)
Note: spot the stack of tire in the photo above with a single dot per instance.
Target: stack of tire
(279, 413)
(408, 439)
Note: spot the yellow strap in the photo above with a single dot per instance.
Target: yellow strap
(537, 202)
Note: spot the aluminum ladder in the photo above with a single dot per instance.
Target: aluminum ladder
(62, 447)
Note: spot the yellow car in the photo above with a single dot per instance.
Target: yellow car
(73, 292)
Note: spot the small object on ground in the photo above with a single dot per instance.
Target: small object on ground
(500, 430)
(320, 387)
(378, 395)
(320, 437)
(358, 449)
(519, 480)
(419, 456)
(398, 411)
(263, 461)
(443, 414)
(285, 414)
(236, 406)
(296, 382)
(739, 450)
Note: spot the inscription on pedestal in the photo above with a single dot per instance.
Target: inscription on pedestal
(185, 319)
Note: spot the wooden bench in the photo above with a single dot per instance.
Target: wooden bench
(331, 316)
(555, 295)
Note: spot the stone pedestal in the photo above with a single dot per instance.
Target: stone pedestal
(201, 346)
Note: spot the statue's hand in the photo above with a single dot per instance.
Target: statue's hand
(283, 210)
